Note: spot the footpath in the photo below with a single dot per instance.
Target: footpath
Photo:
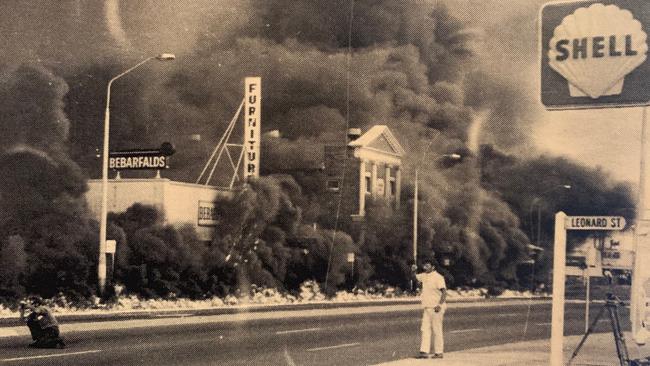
(598, 350)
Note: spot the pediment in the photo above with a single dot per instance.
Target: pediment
(379, 138)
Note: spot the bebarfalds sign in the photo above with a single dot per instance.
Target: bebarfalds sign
(141, 159)
(594, 54)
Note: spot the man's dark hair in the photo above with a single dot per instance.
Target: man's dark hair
(36, 300)
(429, 260)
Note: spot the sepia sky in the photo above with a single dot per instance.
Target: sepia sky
(609, 138)
(70, 32)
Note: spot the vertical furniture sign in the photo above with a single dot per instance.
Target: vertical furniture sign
(252, 126)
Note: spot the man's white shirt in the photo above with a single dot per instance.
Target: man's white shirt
(431, 285)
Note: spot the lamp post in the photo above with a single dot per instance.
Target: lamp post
(535, 202)
(415, 197)
(101, 266)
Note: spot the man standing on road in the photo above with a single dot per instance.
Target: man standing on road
(433, 296)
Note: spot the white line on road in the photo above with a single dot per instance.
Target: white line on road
(48, 356)
(172, 315)
(600, 321)
(297, 331)
(333, 347)
(288, 358)
(466, 330)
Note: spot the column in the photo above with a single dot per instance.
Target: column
(398, 184)
(387, 191)
(362, 187)
(373, 180)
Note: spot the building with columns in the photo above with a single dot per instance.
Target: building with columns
(372, 170)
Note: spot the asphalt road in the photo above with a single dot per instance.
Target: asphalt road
(359, 339)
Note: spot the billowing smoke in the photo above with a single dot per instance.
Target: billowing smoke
(325, 66)
(32, 109)
(338, 64)
(550, 185)
(266, 241)
(43, 220)
(44, 208)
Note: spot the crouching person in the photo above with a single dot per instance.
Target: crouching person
(41, 323)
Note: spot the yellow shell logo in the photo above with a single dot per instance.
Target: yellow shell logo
(595, 47)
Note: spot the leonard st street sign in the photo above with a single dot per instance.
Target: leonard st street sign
(594, 54)
(594, 223)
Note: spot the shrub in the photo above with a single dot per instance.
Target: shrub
(159, 260)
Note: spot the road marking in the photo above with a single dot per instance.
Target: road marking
(172, 315)
(600, 321)
(48, 356)
(288, 358)
(333, 347)
(297, 331)
(466, 330)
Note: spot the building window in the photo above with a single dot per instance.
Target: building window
(393, 187)
(333, 185)
(368, 185)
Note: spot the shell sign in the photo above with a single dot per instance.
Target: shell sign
(594, 54)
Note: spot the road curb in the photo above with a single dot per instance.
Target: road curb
(245, 315)
(101, 316)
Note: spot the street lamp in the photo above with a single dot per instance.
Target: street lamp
(415, 197)
(101, 266)
(536, 201)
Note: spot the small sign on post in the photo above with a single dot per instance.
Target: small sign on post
(350, 257)
(111, 246)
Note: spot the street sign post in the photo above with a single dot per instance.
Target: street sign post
(562, 224)
(593, 54)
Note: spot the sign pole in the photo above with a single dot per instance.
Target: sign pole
(641, 245)
(587, 299)
(559, 263)
(415, 219)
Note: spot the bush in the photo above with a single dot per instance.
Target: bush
(159, 261)
(495, 290)
(12, 268)
(44, 222)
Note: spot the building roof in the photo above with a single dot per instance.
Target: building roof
(377, 135)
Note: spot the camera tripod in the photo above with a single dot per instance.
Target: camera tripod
(611, 305)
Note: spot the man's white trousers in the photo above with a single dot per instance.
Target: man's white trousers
(432, 323)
